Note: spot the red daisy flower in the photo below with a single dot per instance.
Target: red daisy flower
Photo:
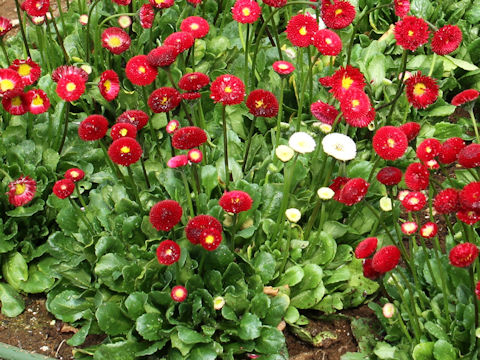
(450, 149)
(386, 259)
(465, 96)
(402, 7)
(210, 239)
(37, 100)
(368, 270)
(246, 11)
(345, 79)
(337, 185)
(134, 117)
(283, 67)
(162, 4)
(324, 112)
(10, 82)
(74, 174)
(421, 90)
(325, 81)
(262, 103)
(390, 143)
(5, 26)
(36, 8)
(21, 191)
(193, 81)
(120, 130)
(446, 201)
(190, 96)
(195, 25)
(162, 56)
(353, 191)
(409, 227)
(227, 89)
(165, 214)
(338, 15)
(168, 252)
(115, 40)
(364, 121)
(177, 161)
(125, 151)
(28, 70)
(178, 293)
(469, 156)
(469, 196)
(70, 87)
(172, 126)
(411, 32)
(195, 3)
(428, 149)
(63, 188)
(414, 201)
(429, 230)
(139, 71)
(327, 42)
(180, 40)
(94, 127)
(164, 99)
(446, 39)
(15, 104)
(300, 30)
(195, 156)
(463, 255)
(122, 2)
(355, 105)
(469, 217)
(109, 85)
(411, 129)
(235, 201)
(389, 176)
(146, 15)
(366, 248)
(196, 225)
(275, 3)
(65, 70)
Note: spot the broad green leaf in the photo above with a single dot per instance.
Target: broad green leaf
(123, 350)
(135, 304)
(79, 337)
(436, 330)
(440, 111)
(109, 271)
(443, 350)
(270, 341)
(50, 159)
(112, 320)
(325, 248)
(69, 306)
(28, 210)
(265, 265)
(37, 281)
(249, 328)
(189, 336)
(465, 65)
(15, 270)
(445, 130)
(204, 352)
(149, 326)
(423, 351)
(12, 302)
(292, 276)
(376, 69)
(65, 248)
(384, 350)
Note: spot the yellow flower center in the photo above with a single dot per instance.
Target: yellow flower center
(123, 132)
(159, 1)
(283, 66)
(414, 201)
(63, 187)
(37, 100)
(17, 101)
(20, 189)
(71, 86)
(428, 149)
(328, 41)
(168, 252)
(209, 239)
(24, 70)
(427, 231)
(259, 103)
(74, 174)
(108, 85)
(338, 11)
(194, 26)
(164, 100)
(339, 147)
(409, 227)
(1, 29)
(410, 33)
(303, 30)
(179, 293)
(391, 143)
(142, 69)
(6, 84)
(347, 82)
(228, 90)
(355, 103)
(114, 41)
(125, 150)
(246, 11)
(419, 89)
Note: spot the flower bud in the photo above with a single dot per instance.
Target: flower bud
(388, 310)
(386, 203)
(284, 152)
(293, 215)
(218, 303)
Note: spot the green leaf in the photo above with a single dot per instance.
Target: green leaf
(384, 350)
(335, 229)
(50, 159)
(79, 338)
(28, 210)
(376, 69)
(278, 306)
(270, 342)
(69, 306)
(325, 248)
(122, 350)
(204, 352)
(209, 178)
(189, 336)
(440, 111)
(292, 276)
(15, 270)
(12, 303)
(149, 326)
(37, 281)
(436, 330)
(135, 304)
(109, 271)
(265, 265)
(111, 319)
(465, 65)
(444, 130)
(65, 248)
(443, 350)
(249, 328)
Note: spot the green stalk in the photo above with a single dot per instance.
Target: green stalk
(7, 59)
(249, 143)
(301, 96)
(402, 325)
(280, 113)
(80, 197)
(43, 47)
(225, 147)
(82, 216)
(134, 187)
(65, 129)
(399, 92)
(432, 65)
(245, 66)
(286, 251)
(59, 37)
(443, 281)
(234, 232)
(313, 217)
(375, 166)
(277, 39)
(474, 123)
(59, 5)
(187, 191)
(90, 12)
(144, 170)
(197, 188)
(22, 29)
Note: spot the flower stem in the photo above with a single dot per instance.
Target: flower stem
(225, 148)
(375, 166)
(403, 67)
(286, 251)
(234, 232)
(80, 197)
(7, 59)
(134, 187)
(280, 113)
(59, 37)
(65, 129)
(474, 123)
(187, 192)
(144, 170)
(313, 217)
(249, 143)
(245, 66)
(90, 12)
(82, 216)
(432, 65)
(22, 29)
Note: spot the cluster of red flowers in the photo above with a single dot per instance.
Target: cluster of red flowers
(204, 230)
(71, 82)
(64, 188)
(349, 191)
(384, 260)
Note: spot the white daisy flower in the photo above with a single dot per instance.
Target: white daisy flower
(284, 152)
(325, 193)
(302, 142)
(293, 215)
(339, 146)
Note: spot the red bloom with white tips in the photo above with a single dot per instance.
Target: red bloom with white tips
(283, 67)
(450, 149)
(134, 117)
(411, 32)
(327, 42)
(262, 103)
(227, 89)
(172, 126)
(180, 40)
(139, 71)
(146, 15)
(162, 4)
(324, 112)
(469, 156)
(168, 252)
(94, 127)
(63, 188)
(195, 156)
(414, 201)
(194, 81)
(125, 151)
(177, 161)
(70, 87)
(179, 293)
(338, 15)
(195, 25)
(446, 201)
(428, 149)
(74, 174)
(246, 11)
(235, 201)
(5, 26)
(345, 79)
(21, 191)
(115, 40)
(300, 30)
(469, 217)
(36, 8)
(164, 99)
(402, 7)
(463, 255)
(446, 39)
(389, 176)
(411, 129)
(165, 214)
(15, 104)
(191, 96)
(10, 82)
(109, 85)
(353, 191)
(409, 227)
(37, 101)
(210, 239)
(196, 225)
(465, 97)
(390, 143)
(120, 130)
(28, 70)
(65, 70)
(366, 248)
(421, 90)
(337, 185)
(429, 230)
(355, 105)
(162, 56)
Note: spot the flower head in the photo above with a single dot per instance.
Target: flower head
(469, 156)
(172, 126)
(339, 146)
(386, 259)
(83, 19)
(465, 97)
(36, 7)
(139, 71)
(262, 103)
(446, 39)
(410, 129)
(195, 25)
(195, 156)
(165, 214)
(386, 203)
(70, 87)
(15, 103)
(94, 127)
(417, 176)
(447, 201)
(302, 142)
(389, 176)
(115, 40)
(469, 217)
(338, 15)
(409, 227)
(390, 143)
(37, 101)
(428, 149)
(74, 174)
(353, 191)
(429, 230)
(164, 99)
(5, 26)
(188, 137)
(366, 248)
(246, 11)
(179, 293)
(162, 56)
(355, 106)
(414, 201)
(325, 193)
(450, 149)
(194, 81)
(469, 196)
(227, 89)
(411, 32)
(345, 79)
(463, 255)
(300, 30)
(168, 252)
(275, 3)
(125, 21)
(284, 152)
(28, 70)
(293, 215)
(65, 70)
(177, 161)
(146, 15)
(235, 201)
(10, 82)
(21, 191)
(161, 4)
(210, 239)
(388, 310)
(327, 42)
(196, 225)
(63, 188)
(125, 151)
(402, 7)
(368, 270)
(421, 90)
(120, 130)
(180, 40)
(109, 85)
(283, 67)
(324, 112)
(134, 117)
